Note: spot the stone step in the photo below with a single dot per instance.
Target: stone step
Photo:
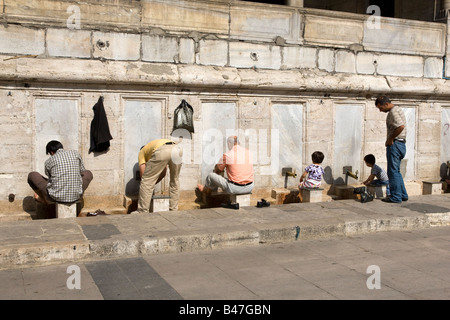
(17, 216)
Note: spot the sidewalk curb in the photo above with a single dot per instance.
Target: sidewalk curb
(78, 250)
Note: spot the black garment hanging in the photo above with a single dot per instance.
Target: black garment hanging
(100, 134)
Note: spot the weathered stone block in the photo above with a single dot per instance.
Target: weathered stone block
(345, 62)
(159, 203)
(366, 63)
(21, 40)
(64, 210)
(213, 52)
(186, 15)
(377, 191)
(400, 65)
(311, 195)
(406, 36)
(69, 43)
(250, 55)
(242, 199)
(433, 68)
(159, 49)
(325, 60)
(299, 57)
(251, 21)
(116, 46)
(187, 51)
(430, 187)
(333, 31)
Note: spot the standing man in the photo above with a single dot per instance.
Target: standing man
(153, 160)
(395, 148)
(238, 163)
(67, 178)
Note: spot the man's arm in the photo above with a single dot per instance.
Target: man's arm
(390, 140)
(220, 167)
(142, 169)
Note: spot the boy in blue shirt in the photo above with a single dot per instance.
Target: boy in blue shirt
(378, 175)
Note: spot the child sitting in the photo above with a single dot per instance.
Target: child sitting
(376, 172)
(312, 176)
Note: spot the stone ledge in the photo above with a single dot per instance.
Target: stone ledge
(162, 74)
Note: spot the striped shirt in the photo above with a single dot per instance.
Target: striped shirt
(396, 118)
(63, 170)
(379, 173)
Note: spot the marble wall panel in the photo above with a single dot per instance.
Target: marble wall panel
(142, 123)
(348, 140)
(332, 31)
(287, 119)
(218, 122)
(410, 157)
(186, 15)
(55, 119)
(445, 134)
(250, 22)
(406, 37)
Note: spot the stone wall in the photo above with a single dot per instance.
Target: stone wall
(261, 63)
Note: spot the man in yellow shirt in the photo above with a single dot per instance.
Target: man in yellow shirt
(153, 160)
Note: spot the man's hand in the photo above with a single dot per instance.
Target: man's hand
(389, 142)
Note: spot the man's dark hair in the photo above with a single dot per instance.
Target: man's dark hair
(317, 157)
(382, 100)
(370, 158)
(53, 146)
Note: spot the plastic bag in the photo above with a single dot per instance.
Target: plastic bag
(183, 117)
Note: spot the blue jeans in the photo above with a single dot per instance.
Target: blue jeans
(394, 155)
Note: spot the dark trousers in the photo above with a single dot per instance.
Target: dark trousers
(39, 183)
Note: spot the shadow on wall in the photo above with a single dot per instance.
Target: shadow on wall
(132, 186)
(444, 171)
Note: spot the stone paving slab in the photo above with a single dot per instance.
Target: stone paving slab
(41, 242)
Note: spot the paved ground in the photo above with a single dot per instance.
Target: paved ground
(391, 265)
(51, 241)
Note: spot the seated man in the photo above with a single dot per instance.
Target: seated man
(238, 164)
(67, 178)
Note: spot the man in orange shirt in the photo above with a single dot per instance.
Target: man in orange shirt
(238, 163)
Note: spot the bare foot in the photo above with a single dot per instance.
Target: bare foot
(39, 199)
(202, 188)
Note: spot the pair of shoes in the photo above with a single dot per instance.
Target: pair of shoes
(230, 205)
(388, 200)
(404, 199)
(262, 203)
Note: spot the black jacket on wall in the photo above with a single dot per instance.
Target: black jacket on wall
(100, 134)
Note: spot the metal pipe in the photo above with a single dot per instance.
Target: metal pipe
(353, 175)
(291, 174)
